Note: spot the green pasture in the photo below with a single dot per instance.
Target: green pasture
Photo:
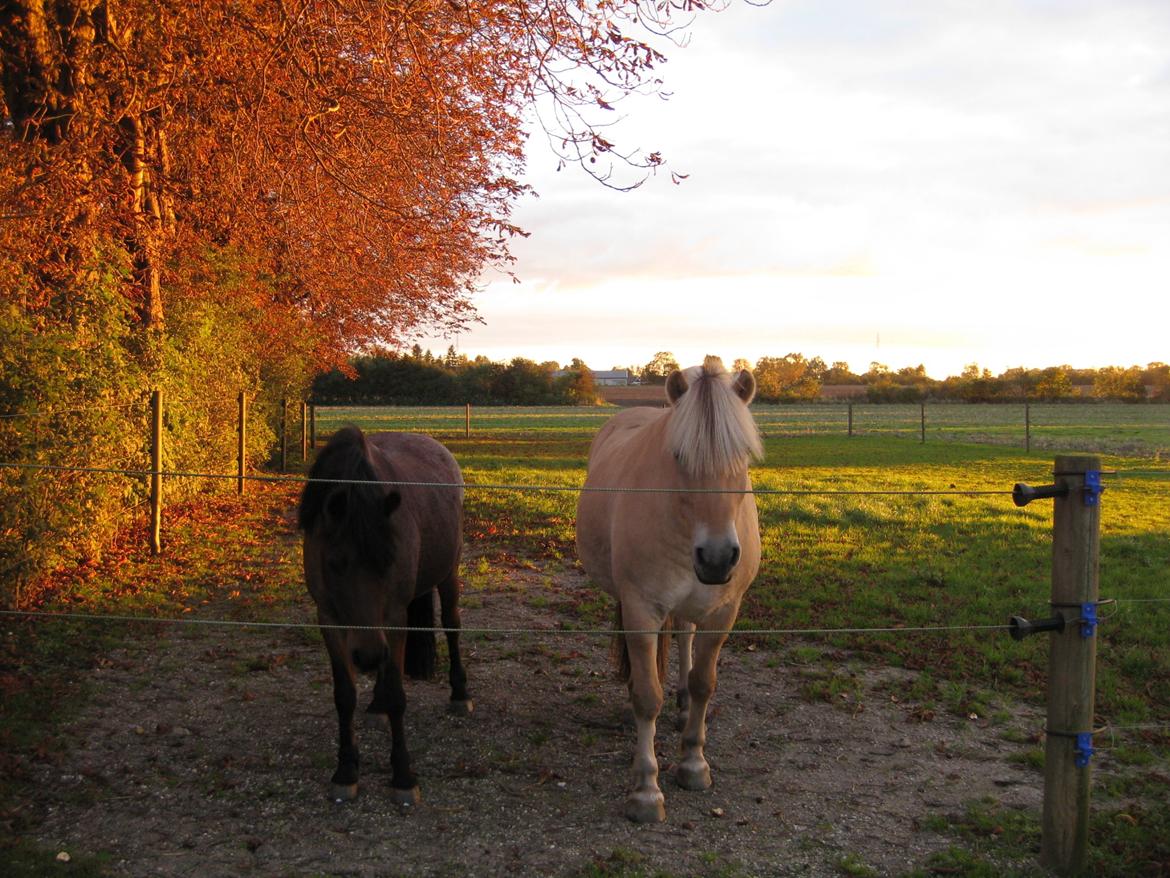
(1108, 428)
(866, 560)
(887, 558)
(897, 560)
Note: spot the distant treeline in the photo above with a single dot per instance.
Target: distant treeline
(793, 378)
(421, 378)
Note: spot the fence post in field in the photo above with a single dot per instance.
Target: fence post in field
(283, 434)
(313, 428)
(156, 472)
(304, 432)
(242, 437)
(1027, 428)
(467, 422)
(850, 419)
(922, 422)
(1072, 671)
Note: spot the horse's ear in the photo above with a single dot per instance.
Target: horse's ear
(335, 507)
(676, 386)
(391, 502)
(745, 386)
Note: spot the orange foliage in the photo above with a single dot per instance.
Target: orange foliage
(364, 153)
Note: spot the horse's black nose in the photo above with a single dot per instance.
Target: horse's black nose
(715, 563)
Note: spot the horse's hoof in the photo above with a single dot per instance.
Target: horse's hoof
(645, 807)
(461, 708)
(377, 720)
(693, 775)
(343, 792)
(405, 798)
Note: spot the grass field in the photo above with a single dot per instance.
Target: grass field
(830, 561)
(869, 560)
(1108, 428)
(896, 560)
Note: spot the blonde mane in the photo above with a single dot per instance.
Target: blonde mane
(711, 430)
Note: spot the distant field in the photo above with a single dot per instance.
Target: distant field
(1107, 428)
(858, 560)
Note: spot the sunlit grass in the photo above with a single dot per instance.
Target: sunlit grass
(857, 545)
(896, 558)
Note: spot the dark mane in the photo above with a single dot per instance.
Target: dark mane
(363, 521)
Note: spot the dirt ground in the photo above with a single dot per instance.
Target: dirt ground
(208, 751)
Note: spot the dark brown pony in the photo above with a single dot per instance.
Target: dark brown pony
(373, 554)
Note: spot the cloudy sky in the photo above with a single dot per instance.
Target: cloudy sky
(924, 181)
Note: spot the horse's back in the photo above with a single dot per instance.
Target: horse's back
(419, 458)
(618, 458)
(618, 435)
(434, 502)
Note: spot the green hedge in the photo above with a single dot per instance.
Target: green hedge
(75, 381)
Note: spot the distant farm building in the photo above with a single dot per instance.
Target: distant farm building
(605, 378)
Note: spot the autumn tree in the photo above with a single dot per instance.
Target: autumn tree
(370, 151)
(1052, 384)
(254, 190)
(1115, 382)
(659, 368)
(840, 373)
(785, 379)
(580, 385)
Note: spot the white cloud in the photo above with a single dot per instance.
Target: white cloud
(949, 175)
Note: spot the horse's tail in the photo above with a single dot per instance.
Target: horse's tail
(420, 659)
(620, 651)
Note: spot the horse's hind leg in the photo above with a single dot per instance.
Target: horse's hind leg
(461, 703)
(693, 771)
(685, 639)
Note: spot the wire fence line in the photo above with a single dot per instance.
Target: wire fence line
(400, 629)
(438, 629)
(505, 486)
(502, 486)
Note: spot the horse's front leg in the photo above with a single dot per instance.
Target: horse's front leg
(685, 640)
(644, 804)
(390, 695)
(693, 771)
(345, 778)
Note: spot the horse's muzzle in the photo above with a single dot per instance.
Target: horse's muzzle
(715, 564)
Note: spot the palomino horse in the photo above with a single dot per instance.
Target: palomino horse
(683, 554)
(374, 554)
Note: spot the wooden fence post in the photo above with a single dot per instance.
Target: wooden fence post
(467, 422)
(304, 432)
(850, 419)
(313, 428)
(156, 472)
(283, 435)
(1072, 668)
(242, 435)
